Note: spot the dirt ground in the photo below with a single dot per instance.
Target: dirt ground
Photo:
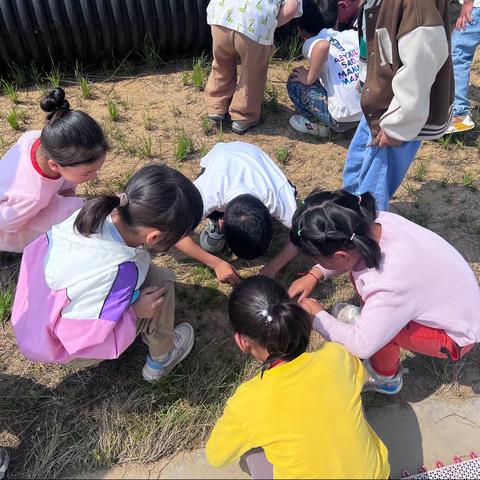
(58, 421)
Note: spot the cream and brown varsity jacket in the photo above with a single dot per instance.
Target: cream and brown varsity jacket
(409, 87)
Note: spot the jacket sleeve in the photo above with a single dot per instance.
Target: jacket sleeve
(423, 49)
(108, 335)
(15, 213)
(228, 440)
(384, 314)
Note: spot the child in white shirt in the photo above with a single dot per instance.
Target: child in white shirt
(243, 28)
(325, 95)
(242, 190)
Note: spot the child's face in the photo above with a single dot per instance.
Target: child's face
(79, 173)
(347, 9)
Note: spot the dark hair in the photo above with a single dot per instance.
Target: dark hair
(329, 221)
(317, 15)
(70, 137)
(260, 308)
(248, 226)
(156, 196)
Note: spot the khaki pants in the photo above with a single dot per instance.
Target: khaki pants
(242, 99)
(156, 332)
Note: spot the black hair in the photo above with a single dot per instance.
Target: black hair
(260, 308)
(248, 227)
(317, 15)
(70, 137)
(156, 196)
(329, 221)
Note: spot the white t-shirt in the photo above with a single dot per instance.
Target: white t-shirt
(257, 19)
(339, 75)
(238, 168)
(476, 3)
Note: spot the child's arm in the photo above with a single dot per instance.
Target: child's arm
(465, 15)
(288, 253)
(289, 10)
(224, 272)
(318, 57)
(423, 51)
(228, 440)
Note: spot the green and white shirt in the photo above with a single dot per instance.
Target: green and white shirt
(257, 19)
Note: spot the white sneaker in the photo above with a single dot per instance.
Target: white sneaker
(304, 125)
(183, 339)
(461, 124)
(389, 385)
(212, 238)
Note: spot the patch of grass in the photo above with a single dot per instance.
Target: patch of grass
(468, 181)
(289, 49)
(13, 119)
(197, 77)
(113, 111)
(86, 88)
(36, 75)
(10, 90)
(420, 173)
(270, 103)
(208, 126)
(148, 121)
(54, 77)
(119, 183)
(145, 147)
(150, 54)
(444, 181)
(183, 146)
(6, 302)
(203, 150)
(283, 154)
(18, 74)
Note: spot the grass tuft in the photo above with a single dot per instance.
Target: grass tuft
(197, 77)
(270, 104)
(148, 121)
(145, 147)
(13, 119)
(183, 146)
(421, 172)
(468, 181)
(113, 111)
(54, 77)
(283, 154)
(86, 89)
(10, 90)
(6, 303)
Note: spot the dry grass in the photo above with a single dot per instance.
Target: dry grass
(58, 421)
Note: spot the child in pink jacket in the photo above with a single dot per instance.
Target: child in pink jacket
(417, 291)
(40, 172)
(87, 287)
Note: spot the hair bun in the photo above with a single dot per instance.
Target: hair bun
(55, 101)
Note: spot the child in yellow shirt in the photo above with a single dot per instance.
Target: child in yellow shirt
(304, 409)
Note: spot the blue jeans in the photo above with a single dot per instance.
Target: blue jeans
(374, 169)
(464, 43)
(311, 101)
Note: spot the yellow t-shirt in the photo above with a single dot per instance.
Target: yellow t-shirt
(307, 415)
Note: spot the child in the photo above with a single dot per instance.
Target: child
(78, 298)
(40, 172)
(407, 94)
(304, 409)
(326, 92)
(417, 291)
(242, 189)
(243, 28)
(465, 40)
(348, 14)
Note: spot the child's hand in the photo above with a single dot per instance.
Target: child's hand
(464, 16)
(149, 302)
(303, 287)
(384, 140)
(300, 74)
(226, 273)
(311, 306)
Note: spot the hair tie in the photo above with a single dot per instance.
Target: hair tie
(352, 237)
(299, 232)
(123, 199)
(268, 317)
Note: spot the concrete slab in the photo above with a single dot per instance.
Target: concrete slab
(416, 434)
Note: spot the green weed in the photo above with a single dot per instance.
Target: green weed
(270, 103)
(420, 172)
(113, 111)
(183, 146)
(145, 147)
(283, 154)
(86, 88)
(150, 54)
(119, 184)
(208, 126)
(10, 90)
(289, 49)
(54, 78)
(197, 77)
(6, 302)
(148, 121)
(13, 119)
(469, 181)
(18, 75)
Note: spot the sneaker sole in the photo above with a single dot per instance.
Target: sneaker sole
(146, 369)
(306, 131)
(393, 391)
(240, 131)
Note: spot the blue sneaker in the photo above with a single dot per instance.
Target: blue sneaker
(183, 339)
(383, 384)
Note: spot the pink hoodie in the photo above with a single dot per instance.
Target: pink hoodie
(421, 277)
(30, 202)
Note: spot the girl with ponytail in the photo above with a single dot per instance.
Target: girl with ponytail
(87, 287)
(40, 172)
(301, 406)
(416, 290)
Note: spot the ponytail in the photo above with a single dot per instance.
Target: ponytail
(261, 309)
(330, 221)
(94, 213)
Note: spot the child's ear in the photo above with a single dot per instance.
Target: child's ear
(53, 166)
(342, 255)
(242, 343)
(152, 238)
